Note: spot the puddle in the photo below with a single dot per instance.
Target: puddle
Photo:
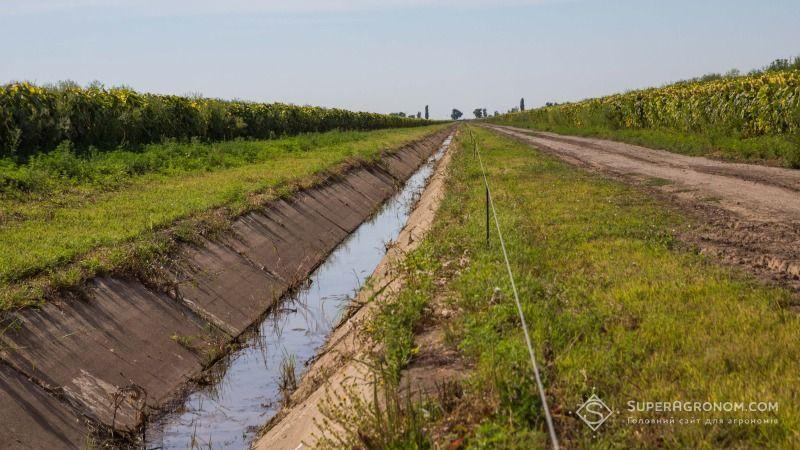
(245, 396)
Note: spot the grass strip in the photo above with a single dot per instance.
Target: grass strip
(76, 226)
(616, 307)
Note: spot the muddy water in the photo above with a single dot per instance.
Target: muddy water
(245, 395)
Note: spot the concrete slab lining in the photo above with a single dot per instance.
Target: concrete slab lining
(32, 418)
(122, 348)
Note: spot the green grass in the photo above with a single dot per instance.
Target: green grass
(771, 150)
(67, 169)
(389, 419)
(73, 213)
(614, 305)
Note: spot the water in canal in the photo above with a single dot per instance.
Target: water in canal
(245, 395)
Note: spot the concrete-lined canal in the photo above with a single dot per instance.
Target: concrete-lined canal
(245, 392)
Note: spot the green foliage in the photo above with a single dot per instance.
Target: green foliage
(614, 306)
(388, 420)
(748, 106)
(456, 114)
(35, 119)
(394, 324)
(782, 64)
(109, 211)
(739, 107)
(64, 168)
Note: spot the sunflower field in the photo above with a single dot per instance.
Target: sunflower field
(747, 106)
(36, 119)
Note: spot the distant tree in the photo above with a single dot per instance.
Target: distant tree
(513, 110)
(496, 113)
(783, 64)
(733, 73)
(456, 114)
(711, 77)
(398, 114)
(484, 113)
(522, 104)
(426, 113)
(778, 65)
(478, 112)
(419, 115)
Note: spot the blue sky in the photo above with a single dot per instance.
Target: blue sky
(391, 55)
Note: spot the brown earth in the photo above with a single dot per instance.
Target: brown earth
(119, 349)
(340, 371)
(437, 364)
(749, 215)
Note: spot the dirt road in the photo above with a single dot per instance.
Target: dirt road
(750, 215)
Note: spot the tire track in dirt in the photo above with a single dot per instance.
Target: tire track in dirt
(749, 215)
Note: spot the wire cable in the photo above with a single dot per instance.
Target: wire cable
(547, 415)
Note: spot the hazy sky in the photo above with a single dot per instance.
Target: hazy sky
(391, 55)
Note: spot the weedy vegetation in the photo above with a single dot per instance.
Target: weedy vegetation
(385, 419)
(287, 383)
(615, 305)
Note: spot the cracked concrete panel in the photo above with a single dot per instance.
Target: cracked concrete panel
(97, 350)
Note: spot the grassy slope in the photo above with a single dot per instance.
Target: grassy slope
(42, 231)
(771, 150)
(613, 305)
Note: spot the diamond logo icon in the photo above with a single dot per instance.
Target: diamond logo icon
(594, 412)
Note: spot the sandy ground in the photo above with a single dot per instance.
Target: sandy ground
(749, 214)
(339, 370)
